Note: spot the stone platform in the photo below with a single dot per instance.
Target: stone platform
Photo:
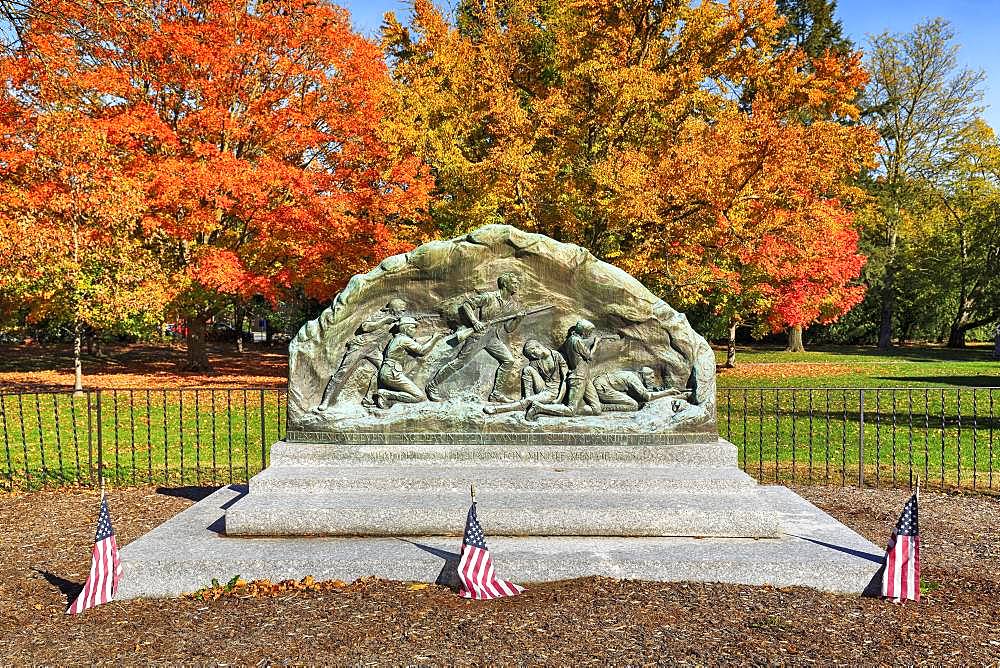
(585, 488)
(813, 550)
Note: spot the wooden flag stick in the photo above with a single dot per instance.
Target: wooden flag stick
(918, 489)
(472, 490)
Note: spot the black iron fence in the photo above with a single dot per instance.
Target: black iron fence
(200, 436)
(209, 436)
(865, 436)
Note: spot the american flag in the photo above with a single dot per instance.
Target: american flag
(475, 568)
(901, 578)
(105, 567)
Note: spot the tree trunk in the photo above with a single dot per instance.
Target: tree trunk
(960, 325)
(885, 327)
(888, 305)
(238, 321)
(197, 353)
(77, 363)
(956, 337)
(90, 342)
(795, 340)
(996, 344)
(77, 325)
(905, 332)
(731, 346)
(268, 334)
(962, 322)
(98, 350)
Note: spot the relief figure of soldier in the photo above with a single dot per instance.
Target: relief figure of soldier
(624, 389)
(543, 379)
(394, 385)
(491, 315)
(368, 343)
(582, 397)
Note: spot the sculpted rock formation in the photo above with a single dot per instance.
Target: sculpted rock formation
(499, 332)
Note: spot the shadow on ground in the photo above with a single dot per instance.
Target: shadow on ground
(448, 577)
(68, 589)
(961, 381)
(190, 492)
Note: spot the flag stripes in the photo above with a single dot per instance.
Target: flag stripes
(902, 569)
(105, 567)
(475, 567)
(479, 579)
(901, 577)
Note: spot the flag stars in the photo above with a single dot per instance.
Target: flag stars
(901, 575)
(475, 568)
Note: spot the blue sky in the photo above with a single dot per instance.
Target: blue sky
(976, 24)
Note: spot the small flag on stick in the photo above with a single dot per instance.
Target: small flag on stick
(105, 567)
(475, 568)
(901, 578)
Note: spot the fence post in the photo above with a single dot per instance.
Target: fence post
(100, 442)
(6, 441)
(263, 437)
(861, 438)
(90, 437)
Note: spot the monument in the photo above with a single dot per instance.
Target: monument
(576, 400)
(580, 405)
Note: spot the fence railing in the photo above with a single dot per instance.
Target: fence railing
(866, 436)
(211, 436)
(199, 436)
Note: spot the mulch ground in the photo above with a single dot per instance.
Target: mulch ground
(747, 371)
(45, 555)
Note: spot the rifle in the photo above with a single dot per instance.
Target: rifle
(463, 333)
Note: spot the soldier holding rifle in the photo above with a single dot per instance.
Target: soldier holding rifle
(624, 389)
(395, 386)
(367, 345)
(490, 316)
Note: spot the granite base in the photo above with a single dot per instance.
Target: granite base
(189, 550)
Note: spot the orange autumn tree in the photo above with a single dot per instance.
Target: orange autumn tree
(71, 251)
(673, 139)
(262, 135)
(813, 283)
(802, 273)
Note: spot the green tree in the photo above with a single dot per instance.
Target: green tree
(920, 101)
(811, 26)
(970, 195)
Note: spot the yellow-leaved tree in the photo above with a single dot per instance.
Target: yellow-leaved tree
(680, 141)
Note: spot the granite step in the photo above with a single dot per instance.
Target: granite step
(505, 513)
(714, 453)
(188, 551)
(555, 479)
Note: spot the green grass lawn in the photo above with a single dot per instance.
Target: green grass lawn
(861, 366)
(946, 436)
(926, 411)
(177, 437)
